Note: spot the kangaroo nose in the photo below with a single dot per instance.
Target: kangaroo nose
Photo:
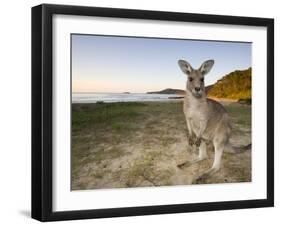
(197, 89)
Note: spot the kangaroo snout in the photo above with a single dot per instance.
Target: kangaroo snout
(197, 89)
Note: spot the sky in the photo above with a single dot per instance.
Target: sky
(137, 65)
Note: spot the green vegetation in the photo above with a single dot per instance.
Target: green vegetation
(137, 144)
(104, 133)
(86, 115)
(241, 115)
(236, 85)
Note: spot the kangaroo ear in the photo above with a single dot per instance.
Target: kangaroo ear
(206, 66)
(185, 67)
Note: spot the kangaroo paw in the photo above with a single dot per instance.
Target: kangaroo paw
(191, 140)
(197, 142)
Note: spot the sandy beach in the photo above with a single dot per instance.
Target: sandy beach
(140, 144)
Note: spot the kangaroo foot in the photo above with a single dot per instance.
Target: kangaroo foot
(185, 164)
(202, 178)
(189, 163)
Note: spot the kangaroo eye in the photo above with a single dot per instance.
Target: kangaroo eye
(202, 79)
(190, 79)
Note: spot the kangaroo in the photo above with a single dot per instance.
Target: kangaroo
(206, 119)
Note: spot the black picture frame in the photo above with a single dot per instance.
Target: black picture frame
(42, 107)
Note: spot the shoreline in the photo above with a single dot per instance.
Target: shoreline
(224, 101)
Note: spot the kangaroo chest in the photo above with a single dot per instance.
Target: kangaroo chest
(195, 110)
(196, 113)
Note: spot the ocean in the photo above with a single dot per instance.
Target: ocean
(121, 97)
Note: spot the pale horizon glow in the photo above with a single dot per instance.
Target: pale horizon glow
(117, 64)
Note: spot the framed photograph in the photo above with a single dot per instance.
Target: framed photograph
(145, 112)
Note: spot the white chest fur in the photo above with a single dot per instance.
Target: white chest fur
(195, 108)
(196, 112)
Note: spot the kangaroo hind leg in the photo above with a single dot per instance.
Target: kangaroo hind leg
(202, 156)
(219, 148)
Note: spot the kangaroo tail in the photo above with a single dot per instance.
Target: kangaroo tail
(237, 149)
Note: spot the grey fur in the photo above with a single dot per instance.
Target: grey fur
(206, 119)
